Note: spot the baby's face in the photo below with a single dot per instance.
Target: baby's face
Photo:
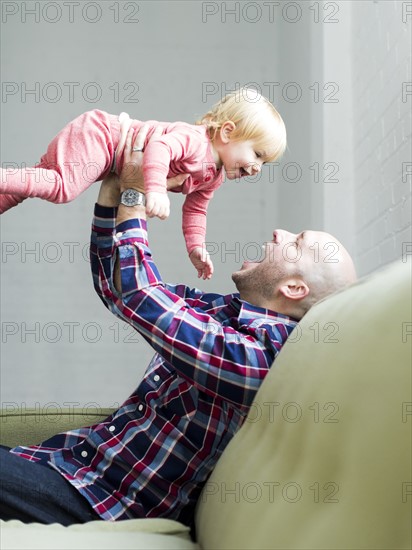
(241, 158)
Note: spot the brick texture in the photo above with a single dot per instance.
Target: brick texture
(382, 100)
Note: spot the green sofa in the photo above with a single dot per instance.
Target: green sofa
(323, 459)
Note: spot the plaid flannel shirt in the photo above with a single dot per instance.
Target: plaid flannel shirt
(152, 457)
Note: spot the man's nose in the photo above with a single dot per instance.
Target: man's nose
(280, 235)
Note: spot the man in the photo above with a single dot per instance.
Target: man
(152, 457)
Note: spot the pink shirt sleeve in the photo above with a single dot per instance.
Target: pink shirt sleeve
(177, 152)
(183, 151)
(194, 218)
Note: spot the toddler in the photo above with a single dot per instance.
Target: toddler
(240, 133)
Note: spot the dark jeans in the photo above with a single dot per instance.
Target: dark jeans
(32, 492)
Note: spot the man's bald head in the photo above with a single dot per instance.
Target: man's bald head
(297, 271)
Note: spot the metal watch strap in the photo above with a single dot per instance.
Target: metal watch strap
(132, 197)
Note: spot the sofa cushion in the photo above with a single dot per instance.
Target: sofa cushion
(134, 534)
(324, 457)
(24, 426)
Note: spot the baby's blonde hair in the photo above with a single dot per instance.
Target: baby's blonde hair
(255, 118)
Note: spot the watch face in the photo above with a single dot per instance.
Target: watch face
(131, 197)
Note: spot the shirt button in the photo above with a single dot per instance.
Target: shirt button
(207, 178)
(112, 428)
(196, 182)
(156, 378)
(140, 408)
(84, 454)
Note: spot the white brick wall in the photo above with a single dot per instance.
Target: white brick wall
(381, 68)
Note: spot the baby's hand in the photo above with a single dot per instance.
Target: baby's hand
(157, 204)
(200, 258)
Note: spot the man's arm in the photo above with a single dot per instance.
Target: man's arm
(105, 218)
(131, 177)
(109, 194)
(221, 360)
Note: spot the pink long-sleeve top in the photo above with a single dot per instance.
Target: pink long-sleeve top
(182, 149)
(98, 138)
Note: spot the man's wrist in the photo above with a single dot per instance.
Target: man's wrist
(125, 213)
(109, 194)
(132, 205)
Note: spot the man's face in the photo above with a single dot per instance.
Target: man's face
(286, 255)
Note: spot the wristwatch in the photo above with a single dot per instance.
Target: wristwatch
(132, 197)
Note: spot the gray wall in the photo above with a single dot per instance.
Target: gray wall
(172, 61)
(368, 132)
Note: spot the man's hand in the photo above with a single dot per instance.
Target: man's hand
(200, 258)
(132, 172)
(132, 177)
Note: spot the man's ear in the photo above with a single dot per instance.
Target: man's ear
(294, 289)
(226, 130)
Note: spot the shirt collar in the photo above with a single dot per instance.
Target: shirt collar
(247, 313)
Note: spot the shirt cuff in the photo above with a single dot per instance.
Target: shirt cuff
(138, 224)
(131, 232)
(137, 269)
(104, 216)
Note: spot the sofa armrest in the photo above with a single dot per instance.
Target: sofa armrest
(22, 426)
(30, 426)
(323, 459)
